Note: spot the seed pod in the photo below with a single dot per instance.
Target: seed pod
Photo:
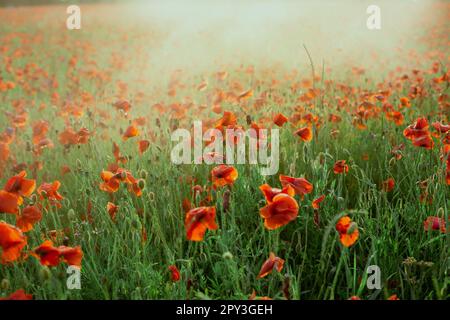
(141, 184)
(227, 255)
(143, 174)
(5, 284)
(71, 214)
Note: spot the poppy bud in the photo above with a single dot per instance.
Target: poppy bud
(5, 284)
(249, 119)
(71, 214)
(45, 273)
(227, 255)
(141, 184)
(440, 212)
(143, 174)
(151, 196)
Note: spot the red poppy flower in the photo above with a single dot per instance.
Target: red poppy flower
(49, 255)
(12, 242)
(419, 135)
(111, 181)
(316, 202)
(348, 231)
(30, 216)
(340, 167)
(435, 223)
(18, 295)
(9, 202)
(280, 119)
(143, 146)
(50, 191)
(228, 119)
(131, 132)
(388, 185)
(112, 210)
(198, 220)
(304, 133)
(223, 175)
(20, 186)
(270, 193)
(393, 297)
(282, 210)
(441, 128)
(273, 263)
(300, 185)
(175, 273)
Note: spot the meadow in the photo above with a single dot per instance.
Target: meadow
(87, 115)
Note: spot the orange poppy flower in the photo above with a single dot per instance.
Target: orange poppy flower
(354, 298)
(393, 297)
(143, 146)
(435, 223)
(9, 202)
(419, 135)
(270, 193)
(12, 242)
(282, 210)
(131, 132)
(50, 191)
(18, 295)
(395, 116)
(304, 133)
(348, 231)
(280, 119)
(340, 167)
(198, 220)
(112, 210)
(117, 155)
(71, 137)
(111, 182)
(30, 216)
(441, 128)
(123, 105)
(175, 273)
(316, 202)
(300, 185)
(49, 255)
(273, 263)
(223, 175)
(20, 186)
(388, 185)
(228, 119)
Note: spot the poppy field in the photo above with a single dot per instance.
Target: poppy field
(357, 209)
